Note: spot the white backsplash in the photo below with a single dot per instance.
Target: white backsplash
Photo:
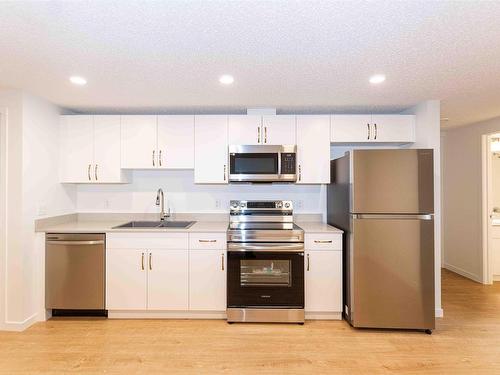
(183, 195)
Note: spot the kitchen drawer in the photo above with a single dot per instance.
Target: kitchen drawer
(147, 241)
(495, 231)
(323, 241)
(207, 241)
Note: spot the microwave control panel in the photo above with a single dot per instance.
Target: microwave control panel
(288, 162)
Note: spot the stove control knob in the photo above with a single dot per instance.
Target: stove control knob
(287, 205)
(279, 204)
(234, 205)
(242, 205)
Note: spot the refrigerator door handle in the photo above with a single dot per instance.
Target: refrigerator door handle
(393, 216)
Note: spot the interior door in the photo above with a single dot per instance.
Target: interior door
(107, 165)
(245, 130)
(138, 142)
(393, 181)
(176, 142)
(393, 273)
(210, 145)
(77, 153)
(278, 130)
(167, 279)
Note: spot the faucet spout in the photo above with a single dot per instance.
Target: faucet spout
(160, 201)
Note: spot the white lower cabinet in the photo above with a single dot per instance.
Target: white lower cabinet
(323, 281)
(126, 279)
(168, 280)
(207, 280)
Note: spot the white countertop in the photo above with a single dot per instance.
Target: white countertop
(317, 227)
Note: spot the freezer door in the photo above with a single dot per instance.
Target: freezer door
(392, 264)
(392, 181)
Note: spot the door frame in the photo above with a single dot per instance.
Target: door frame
(3, 211)
(486, 196)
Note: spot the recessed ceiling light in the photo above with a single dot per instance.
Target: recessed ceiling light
(226, 79)
(77, 80)
(377, 78)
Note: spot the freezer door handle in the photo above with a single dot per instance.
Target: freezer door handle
(393, 216)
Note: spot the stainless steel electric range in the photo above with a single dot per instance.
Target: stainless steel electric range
(265, 265)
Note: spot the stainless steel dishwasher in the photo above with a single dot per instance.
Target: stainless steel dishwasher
(75, 273)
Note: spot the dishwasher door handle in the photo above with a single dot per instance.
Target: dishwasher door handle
(75, 243)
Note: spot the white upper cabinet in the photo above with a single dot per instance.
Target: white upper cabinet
(107, 166)
(373, 129)
(139, 142)
(90, 151)
(176, 142)
(245, 130)
(77, 151)
(278, 130)
(261, 130)
(313, 149)
(393, 128)
(210, 150)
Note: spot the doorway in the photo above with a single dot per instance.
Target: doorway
(491, 208)
(3, 210)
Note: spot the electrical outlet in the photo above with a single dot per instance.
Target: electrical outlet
(299, 204)
(106, 203)
(42, 210)
(218, 203)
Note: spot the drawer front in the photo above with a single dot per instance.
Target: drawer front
(323, 241)
(147, 240)
(207, 241)
(495, 231)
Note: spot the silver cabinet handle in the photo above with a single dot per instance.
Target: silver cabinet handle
(375, 131)
(265, 134)
(159, 158)
(153, 158)
(225, 172)
(150, 261)
(88, 171)
(258, 134)
(322, 241)
(308, 262)
(142, 262)
(300, 172)
(222, 262)
(95, 172)
(207, 240)
(368, 128)
(75, 243)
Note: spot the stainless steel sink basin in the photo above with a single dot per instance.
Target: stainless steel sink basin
(156, 224)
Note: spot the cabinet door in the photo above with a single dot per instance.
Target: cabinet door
(126, 279)
(210, 150)
(245, 130)
(313, 149)
(167, 279)
(107, 166)
(207, 280)
(77, 149)
(323, 281)
(393, 128)
(138, 142)
(351, 128)
(278, 130)
(176, 142)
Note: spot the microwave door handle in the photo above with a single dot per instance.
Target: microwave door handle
(279, 164)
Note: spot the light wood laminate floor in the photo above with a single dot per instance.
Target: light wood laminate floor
(466, 341)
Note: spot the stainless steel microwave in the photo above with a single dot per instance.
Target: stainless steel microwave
(262, 163)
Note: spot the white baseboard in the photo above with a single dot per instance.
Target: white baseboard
(22, 325)
(439, 313)
(323, 315)
(496, 277)
(144, 314)
(463, 273)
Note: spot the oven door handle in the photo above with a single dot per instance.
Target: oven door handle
(266, 247)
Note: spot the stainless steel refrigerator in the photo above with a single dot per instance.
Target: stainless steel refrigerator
(384, 201)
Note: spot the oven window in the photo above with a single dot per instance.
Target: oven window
(265, 163)
(265, 272)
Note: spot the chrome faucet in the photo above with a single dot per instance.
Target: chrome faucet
(161, 203)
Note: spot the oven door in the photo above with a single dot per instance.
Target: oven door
(265, 275)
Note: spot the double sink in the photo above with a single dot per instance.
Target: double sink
(156, 224)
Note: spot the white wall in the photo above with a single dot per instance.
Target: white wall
(32, 178)
(462, 208)
(183, 195)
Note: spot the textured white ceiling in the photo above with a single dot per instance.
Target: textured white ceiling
(294, 55)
